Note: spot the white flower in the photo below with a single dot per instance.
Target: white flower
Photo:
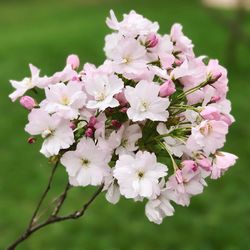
(112, 189)
(128, 56)
(132, 24)
(124, 140)
(65, 100)
(87, 165)
(56, 132)
(138, 175)
(173, 145)
(27, 83)
(102, 88)
(207, 136)
(159, 208)
(145, 102)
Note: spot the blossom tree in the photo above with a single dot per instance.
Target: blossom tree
(148, 124)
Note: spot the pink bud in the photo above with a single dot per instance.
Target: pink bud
(92, 122)
(124, 110)
(120, 97)
(72, 125)
(73, 60)
(215, 99)
(152, 40)
(89, 132)
(167, 88)
(31, 140)
(27, 102)
(215, 77)
(116, 124)
(178, 62)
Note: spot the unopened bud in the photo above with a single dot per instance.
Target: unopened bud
(27, 102)
(89, 132)
(152, 40)
(167, 88)
(116, 124)
(73, 60)
(31, 140)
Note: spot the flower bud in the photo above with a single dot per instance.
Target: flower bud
(123, 110)
(167, 88)
(92, 122)
(89, 132)
(120, 97)
(152, 40)
(215, 77)
(72, 125)
(73, 60)
(116, 124)
(27, 102)
(31, 140)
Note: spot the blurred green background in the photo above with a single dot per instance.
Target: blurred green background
(44, 33)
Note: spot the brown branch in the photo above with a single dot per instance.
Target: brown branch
(33, 218)
(54, 218)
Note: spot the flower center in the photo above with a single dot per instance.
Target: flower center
(28, 82)
(140, 174)
(100, 96)
(85, 162)
(206, 130)
(46, 133)
(65, 101)
(144, 106)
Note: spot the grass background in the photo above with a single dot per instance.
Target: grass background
(44, 33)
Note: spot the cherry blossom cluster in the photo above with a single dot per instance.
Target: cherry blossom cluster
(148, 124)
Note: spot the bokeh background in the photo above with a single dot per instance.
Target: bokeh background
(44, 33)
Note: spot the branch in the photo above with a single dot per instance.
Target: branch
(33, 218)
(54, 218)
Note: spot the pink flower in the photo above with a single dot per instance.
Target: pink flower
(207, 136)
(74, 61)
(82, 165)
(27, 102)
(55, 131)
(185, 183)
(182, 43)
(167, 88)
(222, 162)
(132, 24)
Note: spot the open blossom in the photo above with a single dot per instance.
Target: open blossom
(173, 145)
(138, 175)
(132, 24)
(145, 102)
(128, 56)
(65, 100)
(185, 183)
(55, 131)
(83, 165)
(208, 136)
(102, 89)
(222, 162)
(27, 83)
(159, 208)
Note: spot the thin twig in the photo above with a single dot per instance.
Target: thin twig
(33, 218)
(54, 219)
